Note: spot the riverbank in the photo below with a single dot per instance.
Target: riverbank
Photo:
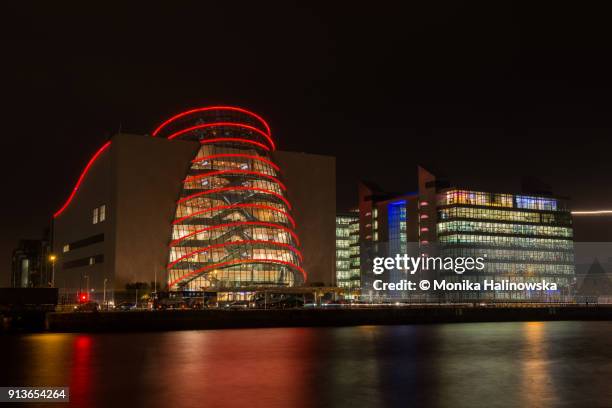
(254, 318)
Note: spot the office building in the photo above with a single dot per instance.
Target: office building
(348, 273)
(524, 237)
(206, 203)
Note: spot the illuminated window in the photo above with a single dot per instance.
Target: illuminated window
(66, 248)
(99, 214)
(536, 203)
(251, 225)
(397, 227)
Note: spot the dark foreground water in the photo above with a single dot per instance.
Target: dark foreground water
(448, 365)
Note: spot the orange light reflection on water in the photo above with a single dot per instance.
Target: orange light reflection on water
(537, 387)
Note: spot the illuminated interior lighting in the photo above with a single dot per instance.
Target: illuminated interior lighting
(221, 172)
(229, 207)
(593, 212)
(220, 190)
(237, 224)
(226, 155)
(235, 262)
(249, 144)
(246, 242)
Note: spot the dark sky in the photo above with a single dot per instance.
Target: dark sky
(480, 92)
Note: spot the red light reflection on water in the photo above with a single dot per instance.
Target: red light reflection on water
(249, 368)
(80, 373)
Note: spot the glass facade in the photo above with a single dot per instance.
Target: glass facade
(397, 227)
(347, 253)
(523, 238)
(396, 217)
(233, 226)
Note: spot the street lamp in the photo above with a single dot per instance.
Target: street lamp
(52, 258)
(104, 300)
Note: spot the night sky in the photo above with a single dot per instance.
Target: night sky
(482, 93)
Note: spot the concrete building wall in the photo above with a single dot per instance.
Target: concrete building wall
(138, 180)
(147, 182)
(75, 223)
(311, 188)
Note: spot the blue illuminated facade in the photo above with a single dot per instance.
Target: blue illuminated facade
(396, 217)
(396, 212)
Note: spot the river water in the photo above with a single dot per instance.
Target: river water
(533, 364)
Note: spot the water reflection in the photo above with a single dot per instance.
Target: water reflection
(81, 371)
(248, 367)
(538, 389)
(458, 365)
(42, 358)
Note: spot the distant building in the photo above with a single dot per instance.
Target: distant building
(388, 222)
(524, 237)
(206, 205)
(595, 285)
(31, 267)
(348, 273)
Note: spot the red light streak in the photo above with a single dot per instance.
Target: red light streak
(216, 124)
(235, 262)
(209, 108)
(248, 156)
(236, 224)
(228, 207)
(290, 247)
(220, 190)
(80, 180)
(235, 139)
(220, 172)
